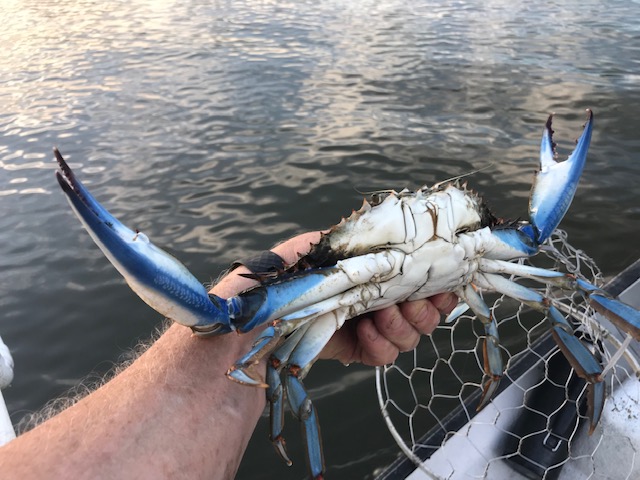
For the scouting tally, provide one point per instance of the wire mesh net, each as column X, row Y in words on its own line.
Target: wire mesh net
column 538, row 427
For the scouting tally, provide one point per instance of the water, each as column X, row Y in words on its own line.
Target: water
column 220, row 128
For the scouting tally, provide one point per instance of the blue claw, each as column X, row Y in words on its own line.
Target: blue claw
column 556, row 182
column 158, row 278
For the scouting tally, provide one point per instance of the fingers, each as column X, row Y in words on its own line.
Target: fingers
column 378, row 338
column 374, row 348
column 444, row 302
column 403, row 324
column 422, row 315
column 359, row 340
column 397, row 328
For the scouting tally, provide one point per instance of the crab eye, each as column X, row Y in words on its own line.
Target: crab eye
column 377, row 198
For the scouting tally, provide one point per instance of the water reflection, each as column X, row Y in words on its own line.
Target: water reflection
column 220, row 128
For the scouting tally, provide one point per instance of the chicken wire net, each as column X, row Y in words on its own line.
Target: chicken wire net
column 429, row 396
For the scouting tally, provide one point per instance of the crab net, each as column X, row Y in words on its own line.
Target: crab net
column 536, row 424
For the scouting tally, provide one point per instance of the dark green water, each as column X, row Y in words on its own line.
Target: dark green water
column 220, row 128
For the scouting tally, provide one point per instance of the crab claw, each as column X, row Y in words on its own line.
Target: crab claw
column 555, row 184
column 158, row 278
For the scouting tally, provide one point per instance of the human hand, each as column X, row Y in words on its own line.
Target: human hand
column 377, row 338
column 373, row 339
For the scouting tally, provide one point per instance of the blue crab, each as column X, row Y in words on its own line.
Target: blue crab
column 399, row 246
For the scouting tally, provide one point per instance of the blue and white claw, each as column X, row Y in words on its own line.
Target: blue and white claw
column 556, row 183
column 158, row 278
column 401, row 246
column 554, row 187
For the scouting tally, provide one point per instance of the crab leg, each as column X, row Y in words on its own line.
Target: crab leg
column 351, row 299
column 242, row 370
column 493, row 365
column 625, row 317
column 579, row 357
column 459, row 310
column 275, row 397
column 303, row 409
column 622, row 315
column 275, row 390
column 300, row 361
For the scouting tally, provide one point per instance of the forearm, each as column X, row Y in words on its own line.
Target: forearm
column 171, row 414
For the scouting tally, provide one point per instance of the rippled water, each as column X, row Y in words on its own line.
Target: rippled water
column 220, row 128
